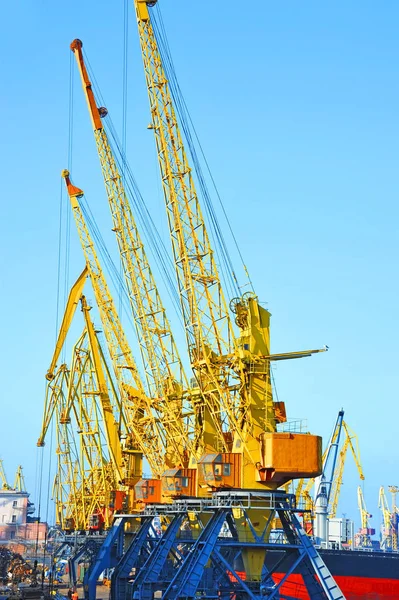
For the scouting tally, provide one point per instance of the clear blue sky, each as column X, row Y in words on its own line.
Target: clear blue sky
column 297, row 105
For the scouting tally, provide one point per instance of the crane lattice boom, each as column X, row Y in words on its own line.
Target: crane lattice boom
column 166, row 379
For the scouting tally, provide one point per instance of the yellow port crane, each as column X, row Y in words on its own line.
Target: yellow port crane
column 3, row 478
column 52, row 399
column 364, row 540
column 393, row 489
column 166, row 379
column 87, row 383
column 112, row 429
column 386, row 529
column 233, row 374
column 19, row 481
column 351, row 443
column 343, row 438
column 146, row 433
column 85, row 479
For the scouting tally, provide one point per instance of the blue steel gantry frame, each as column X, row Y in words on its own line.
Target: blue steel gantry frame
column 198, row 550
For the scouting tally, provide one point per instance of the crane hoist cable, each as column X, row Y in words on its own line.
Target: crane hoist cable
column 150, row 232
column 225, row 260
column 112, row 271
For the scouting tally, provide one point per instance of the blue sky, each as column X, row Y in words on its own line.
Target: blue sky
column 296, row 105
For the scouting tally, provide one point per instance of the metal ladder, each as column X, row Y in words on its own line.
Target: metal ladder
column 330, row 587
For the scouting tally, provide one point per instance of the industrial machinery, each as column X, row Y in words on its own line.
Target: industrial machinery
column 3, row 477
column 362, row 538
column 394, row 516
column 223, row 455
column 319, row 496
column 386, row 528
column 210, row 437
column 232, row 371
column 85, row 477
column 97, row 478
column 350, row 443
column 165, row 376
column 19, row 481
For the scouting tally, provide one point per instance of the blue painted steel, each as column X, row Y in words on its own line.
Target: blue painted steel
column 230, row 569
column 331, row 458
column 89, row 547
column 129, row 560
column 188, row 576
column 327, row 581
column 151, row 569
column 211, row 563
column 107, row 557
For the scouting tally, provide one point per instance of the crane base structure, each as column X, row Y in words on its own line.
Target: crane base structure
column 207, row 548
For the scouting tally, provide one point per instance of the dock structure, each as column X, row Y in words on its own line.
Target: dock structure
column 202, row 548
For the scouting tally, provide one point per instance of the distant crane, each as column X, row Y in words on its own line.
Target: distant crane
column 334, row 457
column 386, row 529
column 19, row 482
column 363, row 537
column 3, row 478
column 351, row 443
column 394, row 516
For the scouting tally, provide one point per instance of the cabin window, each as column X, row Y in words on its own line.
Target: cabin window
column 184, row 482
column 218, row 472
column 227, row 470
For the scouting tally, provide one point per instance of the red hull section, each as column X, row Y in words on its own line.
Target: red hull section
column 353, row 588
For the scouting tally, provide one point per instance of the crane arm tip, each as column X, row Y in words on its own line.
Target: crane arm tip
column 76, row 45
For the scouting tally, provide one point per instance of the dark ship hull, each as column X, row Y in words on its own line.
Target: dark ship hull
column 360, row 574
